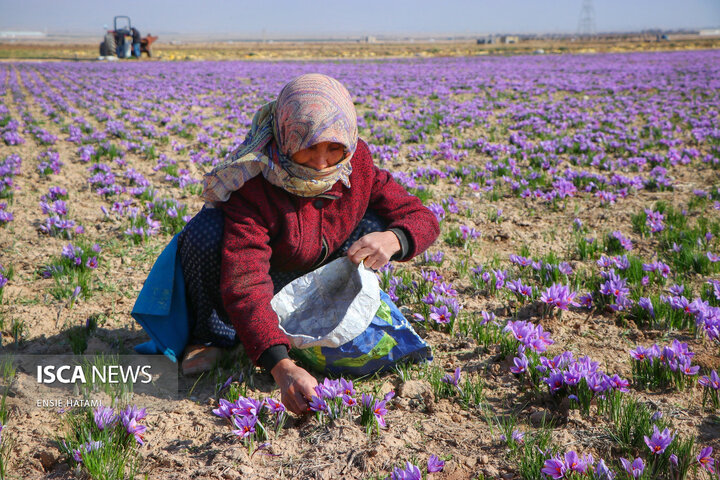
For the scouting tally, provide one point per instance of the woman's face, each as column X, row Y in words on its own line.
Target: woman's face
column 319, row 156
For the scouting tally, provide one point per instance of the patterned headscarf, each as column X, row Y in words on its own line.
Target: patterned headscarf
column 312, row 108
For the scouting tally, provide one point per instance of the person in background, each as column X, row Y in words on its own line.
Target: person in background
column 135, row 42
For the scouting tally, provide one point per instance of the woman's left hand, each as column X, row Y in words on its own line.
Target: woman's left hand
column 375, row 249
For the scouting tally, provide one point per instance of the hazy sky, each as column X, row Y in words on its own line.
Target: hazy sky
column 278, row 18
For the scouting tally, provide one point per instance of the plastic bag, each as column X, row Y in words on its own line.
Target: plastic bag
column 340, row 322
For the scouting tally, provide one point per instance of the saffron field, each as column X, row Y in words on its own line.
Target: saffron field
column 572, row 300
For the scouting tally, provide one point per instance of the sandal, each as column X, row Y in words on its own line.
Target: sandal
column 199, row 358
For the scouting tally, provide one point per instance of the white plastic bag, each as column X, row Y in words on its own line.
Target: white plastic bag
column 328, row 307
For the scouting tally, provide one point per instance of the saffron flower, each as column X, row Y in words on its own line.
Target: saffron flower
column 380, row 411
column 248, row 407
column 104, row 417
column 224, row 409
column 558, row 296
column 135, row 429
column 347, row 387
column 574, row 463
column 317, row 404
column 659, row 441
column 705, row 459
column 410, row 472
column 349, row 401
column 517, row 436
column 554, row 467
column 274, row 406
column 132, row 411
column 713, row 381
column 440, row 315
column 245, row 425
column 635, row 469
column 434, row 464
column 86, row 448
column 602, row 472
column 486, row 317
column 520, row 364
column 453, row 379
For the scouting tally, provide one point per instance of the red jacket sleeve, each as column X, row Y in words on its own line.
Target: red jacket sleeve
column 245, row 282
column 403, row 210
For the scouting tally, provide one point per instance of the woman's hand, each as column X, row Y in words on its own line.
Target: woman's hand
column 297, row 386
column 375, row 248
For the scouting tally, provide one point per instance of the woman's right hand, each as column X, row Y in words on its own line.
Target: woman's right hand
column 297, row 386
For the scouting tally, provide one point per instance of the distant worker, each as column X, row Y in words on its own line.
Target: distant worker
column 135, row 42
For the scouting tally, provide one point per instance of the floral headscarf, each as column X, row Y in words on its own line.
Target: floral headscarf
column 312, row 108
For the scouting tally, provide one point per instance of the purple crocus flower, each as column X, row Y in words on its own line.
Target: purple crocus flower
column 453, row 379
column 487, row 317
column 558, row 295
column 565, row 268
column 618, row 383
column 555, row 381
column 635, row 469
column 410, row 472
column 520, row 365
column 641, row 353
column 434, row 464
column 91, row 263
column 574, row 463
column 248, row 407
column 705, row 459
column 273, row 406
column 554, row 467
column 516, row 435
column 104, row 417
column 328, row 389
column 586, row 300
column 317, row 404
column 440, row 315
column 347, row 387
column 644, row 302
column 685, row 367
column 517, row 287
column 132, row 411
column 713, row 381
column 86, row 448
column 659, row 441
column 134, row 428
column 380, row 411
column 602, row 472
column 348, row 401
column 245, row 425
column 224, row 409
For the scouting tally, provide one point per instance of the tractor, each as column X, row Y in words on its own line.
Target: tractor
column 118, row 42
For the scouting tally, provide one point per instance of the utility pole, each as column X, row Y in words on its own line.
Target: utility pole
column 586, row 23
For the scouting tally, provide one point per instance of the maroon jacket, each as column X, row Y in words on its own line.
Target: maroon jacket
column 265, row 226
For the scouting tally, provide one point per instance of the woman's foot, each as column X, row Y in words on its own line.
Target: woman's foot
column 199, row 358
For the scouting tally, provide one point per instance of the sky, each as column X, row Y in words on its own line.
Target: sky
column 345, row 18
